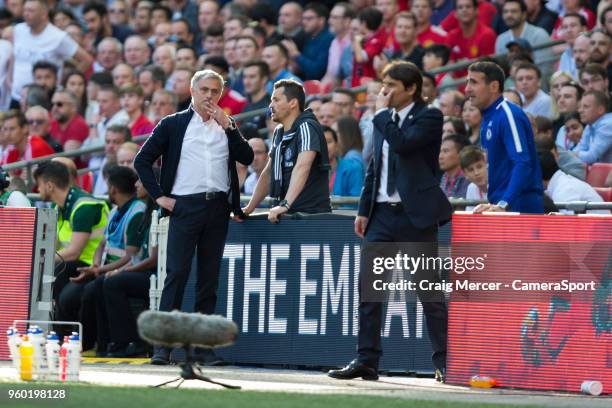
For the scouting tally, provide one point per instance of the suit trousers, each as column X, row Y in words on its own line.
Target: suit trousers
column 391, row 224
column 202, row 224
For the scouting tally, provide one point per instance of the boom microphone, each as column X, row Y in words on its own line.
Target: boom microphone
column 176, row 329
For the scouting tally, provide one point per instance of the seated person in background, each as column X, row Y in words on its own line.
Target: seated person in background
column 350, row 171
column 474, row 166
column 596, row 142
column 80, row 227
column 562, row 187
column 20, row 145
column 126, row 154
column 453, row 183
column 121, row 243
column 9, row 197
column 572, row 132
column 513, row 96
column 567, row 161
column 453, row 125
column 260, row 150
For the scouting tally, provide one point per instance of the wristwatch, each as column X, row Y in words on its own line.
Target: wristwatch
column 284, row 203
column 503, row 205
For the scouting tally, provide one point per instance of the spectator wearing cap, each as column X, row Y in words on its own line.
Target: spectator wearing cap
column 572, row 25
column 256, row 75
column 453, row 182
column 514, row 14
column 427, row 33
column 340, row 25
column 132, row 101
column 38, row 124
column 109, row 55
column 310, row 62
column 596, row 142
column 535, row 100
column 601, row 48
column 277, row 58
column 97, row 21
column 231, row 101
column 68, row 127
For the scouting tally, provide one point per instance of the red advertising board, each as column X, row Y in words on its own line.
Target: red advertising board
column 526, row 336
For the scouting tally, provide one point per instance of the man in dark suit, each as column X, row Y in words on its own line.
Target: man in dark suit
column 401, row 202
column 198, row 188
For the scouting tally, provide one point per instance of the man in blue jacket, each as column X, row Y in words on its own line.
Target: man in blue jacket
column 515, row 181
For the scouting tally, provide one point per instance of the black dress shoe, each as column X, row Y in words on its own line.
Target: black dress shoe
column 161, row 356
column 440, row 375
column 133, row 349
column 207, row 357
column 355, row 369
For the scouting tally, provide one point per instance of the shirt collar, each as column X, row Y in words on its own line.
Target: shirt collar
column 493, row 106
column 403, row 113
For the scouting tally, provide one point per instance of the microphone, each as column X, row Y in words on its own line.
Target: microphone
column 176, row 329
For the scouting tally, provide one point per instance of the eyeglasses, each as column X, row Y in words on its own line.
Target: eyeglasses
column 36, row 122
column 58, row 104
column 117, row 11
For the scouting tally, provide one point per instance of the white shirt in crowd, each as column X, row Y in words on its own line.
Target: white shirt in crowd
column 203, row 166
column 250, row 182
column 562, row 188
column 6, row 49
column 474, row 193
column 52, row 44
column 541, row 105
column 18, row 199
column 382, row 196
column 119, row 118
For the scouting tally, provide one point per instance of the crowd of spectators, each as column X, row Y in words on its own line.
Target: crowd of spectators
column 77, row 74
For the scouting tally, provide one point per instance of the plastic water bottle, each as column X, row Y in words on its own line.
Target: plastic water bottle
column 74, row 357
column 483, row 381
column 37, row 337
column 591, row 387
column 63, row 360
column 14, row 340
column 52, row 348
column 26, row 354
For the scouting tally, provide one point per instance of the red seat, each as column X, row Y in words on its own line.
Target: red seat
column 312, row 87
column 85, row 181
column 605, row 193
column 598, row 173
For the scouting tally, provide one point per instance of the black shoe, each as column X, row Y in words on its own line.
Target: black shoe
column 161, row 356
column 440, row 375
column 207, row 357
column 355, row 369
column 133, row 349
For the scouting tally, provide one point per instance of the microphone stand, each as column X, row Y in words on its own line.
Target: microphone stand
column 191, row 371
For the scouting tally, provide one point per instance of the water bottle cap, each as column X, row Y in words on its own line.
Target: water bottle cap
column 11, row 331
column 52, row 336
column 37, row 330
column 74, row 337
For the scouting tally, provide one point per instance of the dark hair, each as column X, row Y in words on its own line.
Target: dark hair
column 372, row 17
column 281, row 47
column 327, row 129
column 440, row 51
column 165, row 9
column 131, row 89
column 262, row 11
column 65, row 11
column 530, row 66
column 43, row 64
column 593, row 68
column 543, row 124
column 110, row 88
column 320, row 9
column 97, row 7
column 15, row 114
column 5, row 14
column 344, row 91
column 577, row 87
column 55, row 172
column 470, row 155
column 602, row 17
column 181, row 45
column 572, row 116
column 37, row 96
column 457, row 123
column 459, row 140
column 184, row 21
column 81, row 102
column 214, row 30
column 548, row 164
column 123, row 178
column 408, row 15
column 349, row 134
column 580, row 17
column 406, row 72
column 157, row 73
column 491, row 71
column 101, row 78
column 517, row 93
column 264, row 70
column 217, row 61
column 474, row 3
column 601, row 99
column 292, row 90
column 122, row 129
column 545, row 143
column 520, row 2
column 244, row 20
column 248, row 37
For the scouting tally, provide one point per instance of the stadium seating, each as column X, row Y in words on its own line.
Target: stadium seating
column 605, row 193
column 598, row 173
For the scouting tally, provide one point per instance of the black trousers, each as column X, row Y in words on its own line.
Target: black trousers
column 202, row 224
column 391, row 224
column 67, row 295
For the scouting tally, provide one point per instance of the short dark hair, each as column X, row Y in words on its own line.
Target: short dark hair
column 55, row 172
column 406, row 72
column 440, row 51
column 131, row 89
column 474, row 3
column 577, row 87
column 110, row 88
column 457, row 123
column 217, row 61
column 157, row 73
column 344, row 91
column 545, row 143
column 530, row 66
column 320, row 9
column 470, row 155
column 99, row 8
column 327, row 129
column 101, row 78
column 262, row 11
column 460, row 141
column 292, row 90
column 602, row 17
column 372, row 17
column 580, row 17
column 592, row 68
column 408, row 15
column 521, row 3
column 121, row 129
column 123, row 178
column 572, row 116
column 264, row 69
column 281, row 47
column 184, row 21
column 601, row 98
column 543, row 123
column 491, row 71
column 167, row 11
column 349, row 134
column 43, row 64
column 548, row 164
column 214, row 30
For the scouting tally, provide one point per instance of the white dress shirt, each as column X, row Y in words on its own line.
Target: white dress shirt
column 203, row 166
column 382, row 196
column 562, row 188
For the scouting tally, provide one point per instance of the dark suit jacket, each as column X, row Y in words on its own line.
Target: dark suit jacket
column 166, row 141
column 417, row 146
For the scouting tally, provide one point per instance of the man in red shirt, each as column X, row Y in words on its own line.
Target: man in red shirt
column 369, row 44
column 471, row 39
column 21, row 147
column 486, row 14
column 132, row 99
column 389, row 10
column 68, row 127
column 427, row 34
